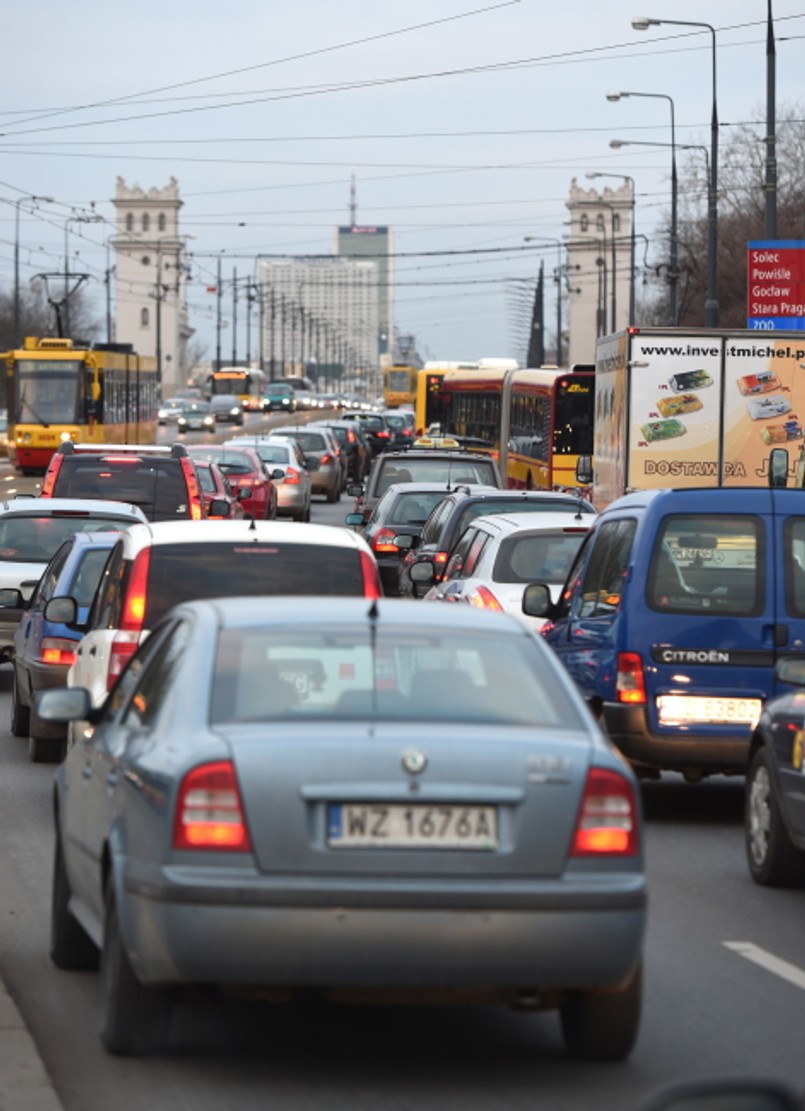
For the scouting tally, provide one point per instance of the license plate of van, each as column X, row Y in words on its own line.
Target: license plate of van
column 687, row 709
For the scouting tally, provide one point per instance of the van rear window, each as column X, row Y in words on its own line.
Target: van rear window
column 186, row 572
column 712, row 565
column 157, row 486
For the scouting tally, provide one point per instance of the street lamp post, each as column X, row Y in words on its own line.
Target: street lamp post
column 673, row 261
column 20, row 200
column 625, row 177
column 711, row 303
column 77, row 218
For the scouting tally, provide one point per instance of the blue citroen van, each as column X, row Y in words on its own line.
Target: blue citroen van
column 675, row 611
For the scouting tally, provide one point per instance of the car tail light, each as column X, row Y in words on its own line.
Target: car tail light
column 326, row 459
column 607, row 821
column 122, row 648
column 439, row 565
column 193, row 490
column 136, row 593
column 350, row 436
column 292, row 477
column 209, row 810
column 382, row 540
column 371, row 577
column 136, row 459
column 57, row 650
column 52, row 474
column 630, row 683
column 483, row 598
column 382, row 435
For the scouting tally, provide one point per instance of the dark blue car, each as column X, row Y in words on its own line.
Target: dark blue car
column 44, row 650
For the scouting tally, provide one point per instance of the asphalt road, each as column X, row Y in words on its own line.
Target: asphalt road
column 724, row 996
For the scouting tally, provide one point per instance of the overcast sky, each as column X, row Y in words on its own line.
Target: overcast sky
column 463, row 121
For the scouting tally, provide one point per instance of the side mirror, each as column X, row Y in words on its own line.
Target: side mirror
column 277, row 474
column 584, row 470
column 778, row 467
column 404, row 543
column 355, row 520
column 537, row 600
column 423, row 572
column 355, row 489
column 791, row 669
column 218, row 507
column 63, row 704
column 62, row 610
column 244, row 493
column 12, row 599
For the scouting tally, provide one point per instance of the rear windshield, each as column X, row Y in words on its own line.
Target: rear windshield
column 710, row 565
column 230, row 462
column 509, row 505
column 308, row 441
column 185, row 572
column 399, row 674
column 36, row 539
column 272, row 453
column 414, row 509
column 541, row 557
column 157, row 486
column 470, row 470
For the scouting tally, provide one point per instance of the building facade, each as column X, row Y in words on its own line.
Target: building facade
column 150, row 279
column 373, row 244
column 600, row 266
column 319, row 317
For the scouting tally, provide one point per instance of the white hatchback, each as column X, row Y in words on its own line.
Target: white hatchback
column 498, row 556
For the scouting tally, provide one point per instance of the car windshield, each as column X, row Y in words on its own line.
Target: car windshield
column 466, row 470
column 396, row 674
column 35, row 539
column 184, row 572
column 230, row 462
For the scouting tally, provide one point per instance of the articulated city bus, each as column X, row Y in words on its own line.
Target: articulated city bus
column 399, row 386
column 246, row 383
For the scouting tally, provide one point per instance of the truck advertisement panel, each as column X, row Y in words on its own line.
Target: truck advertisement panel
column 674, row 411
column 764, row 404
column 611, row 383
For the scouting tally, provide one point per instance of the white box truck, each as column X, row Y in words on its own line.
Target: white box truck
column 682, row 408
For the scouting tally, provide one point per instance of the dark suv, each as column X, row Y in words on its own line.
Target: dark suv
column 454, row 468
column 162, row 481
column 450, row 518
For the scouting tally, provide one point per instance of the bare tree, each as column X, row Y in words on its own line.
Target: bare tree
column 38, row 317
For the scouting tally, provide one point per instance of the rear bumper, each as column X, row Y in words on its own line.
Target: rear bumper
column 290, row 499
column 628, row 728
column 570, row 934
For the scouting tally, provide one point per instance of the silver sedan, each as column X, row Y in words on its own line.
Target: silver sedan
column 371, row 799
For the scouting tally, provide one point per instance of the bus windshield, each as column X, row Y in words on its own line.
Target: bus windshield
column 573, row 418
column 47, row 391
column 230, row 383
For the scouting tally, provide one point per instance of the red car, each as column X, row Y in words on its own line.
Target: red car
column 247, row 476
column 215, row 486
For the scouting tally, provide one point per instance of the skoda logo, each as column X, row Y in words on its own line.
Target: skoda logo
column 414, row 760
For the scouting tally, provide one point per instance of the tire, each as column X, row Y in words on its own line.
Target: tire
column 333, row 496
column 45, row 750
column 136, row 1018
column 20, row 715
column 600, row 1025
column 306, row 515
column 70, row 947
column 773, row 860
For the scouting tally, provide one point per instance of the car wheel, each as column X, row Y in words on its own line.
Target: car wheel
column 20, row 715
column 306, row 517
column 333, row 496
column 136, row 1018
column 773, row 860
column 602, row 1025
column 70, row 947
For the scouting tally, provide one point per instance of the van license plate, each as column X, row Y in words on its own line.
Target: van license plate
column 411, row 826
column 685, row 709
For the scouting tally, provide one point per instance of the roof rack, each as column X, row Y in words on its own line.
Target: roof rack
column 67, row 447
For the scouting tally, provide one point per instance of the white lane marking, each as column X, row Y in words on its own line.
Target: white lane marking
column 775, row 965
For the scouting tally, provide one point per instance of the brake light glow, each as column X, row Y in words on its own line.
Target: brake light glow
column 51, row 476
column 193, row 489
column 209, row 811
column 325, row 459
column 371, row 577
column 136, row 593
column 291, row 477
column 135, row 459
column 382, row 541
column 57, row 650
column 382, row 434
column 607, row 821
column 630, row 683
column 122, row 648
column 483, row 598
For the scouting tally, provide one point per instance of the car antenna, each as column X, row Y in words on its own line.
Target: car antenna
column 373, row 615
column 252, row 525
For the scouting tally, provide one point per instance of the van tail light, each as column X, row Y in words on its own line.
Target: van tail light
column 52, row 474
column 371, row 577
column 122, row 648
column 630, row 683
column 209, row 811
column 291, row 477
column 136, row 593
column 57, row 650
column 607, row 824
column 483, row 598
column 383, row 540
column 193, row 489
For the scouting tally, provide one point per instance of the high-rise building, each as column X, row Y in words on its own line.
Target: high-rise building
column 319, row 318
column 150, row 279
column 373, row 244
